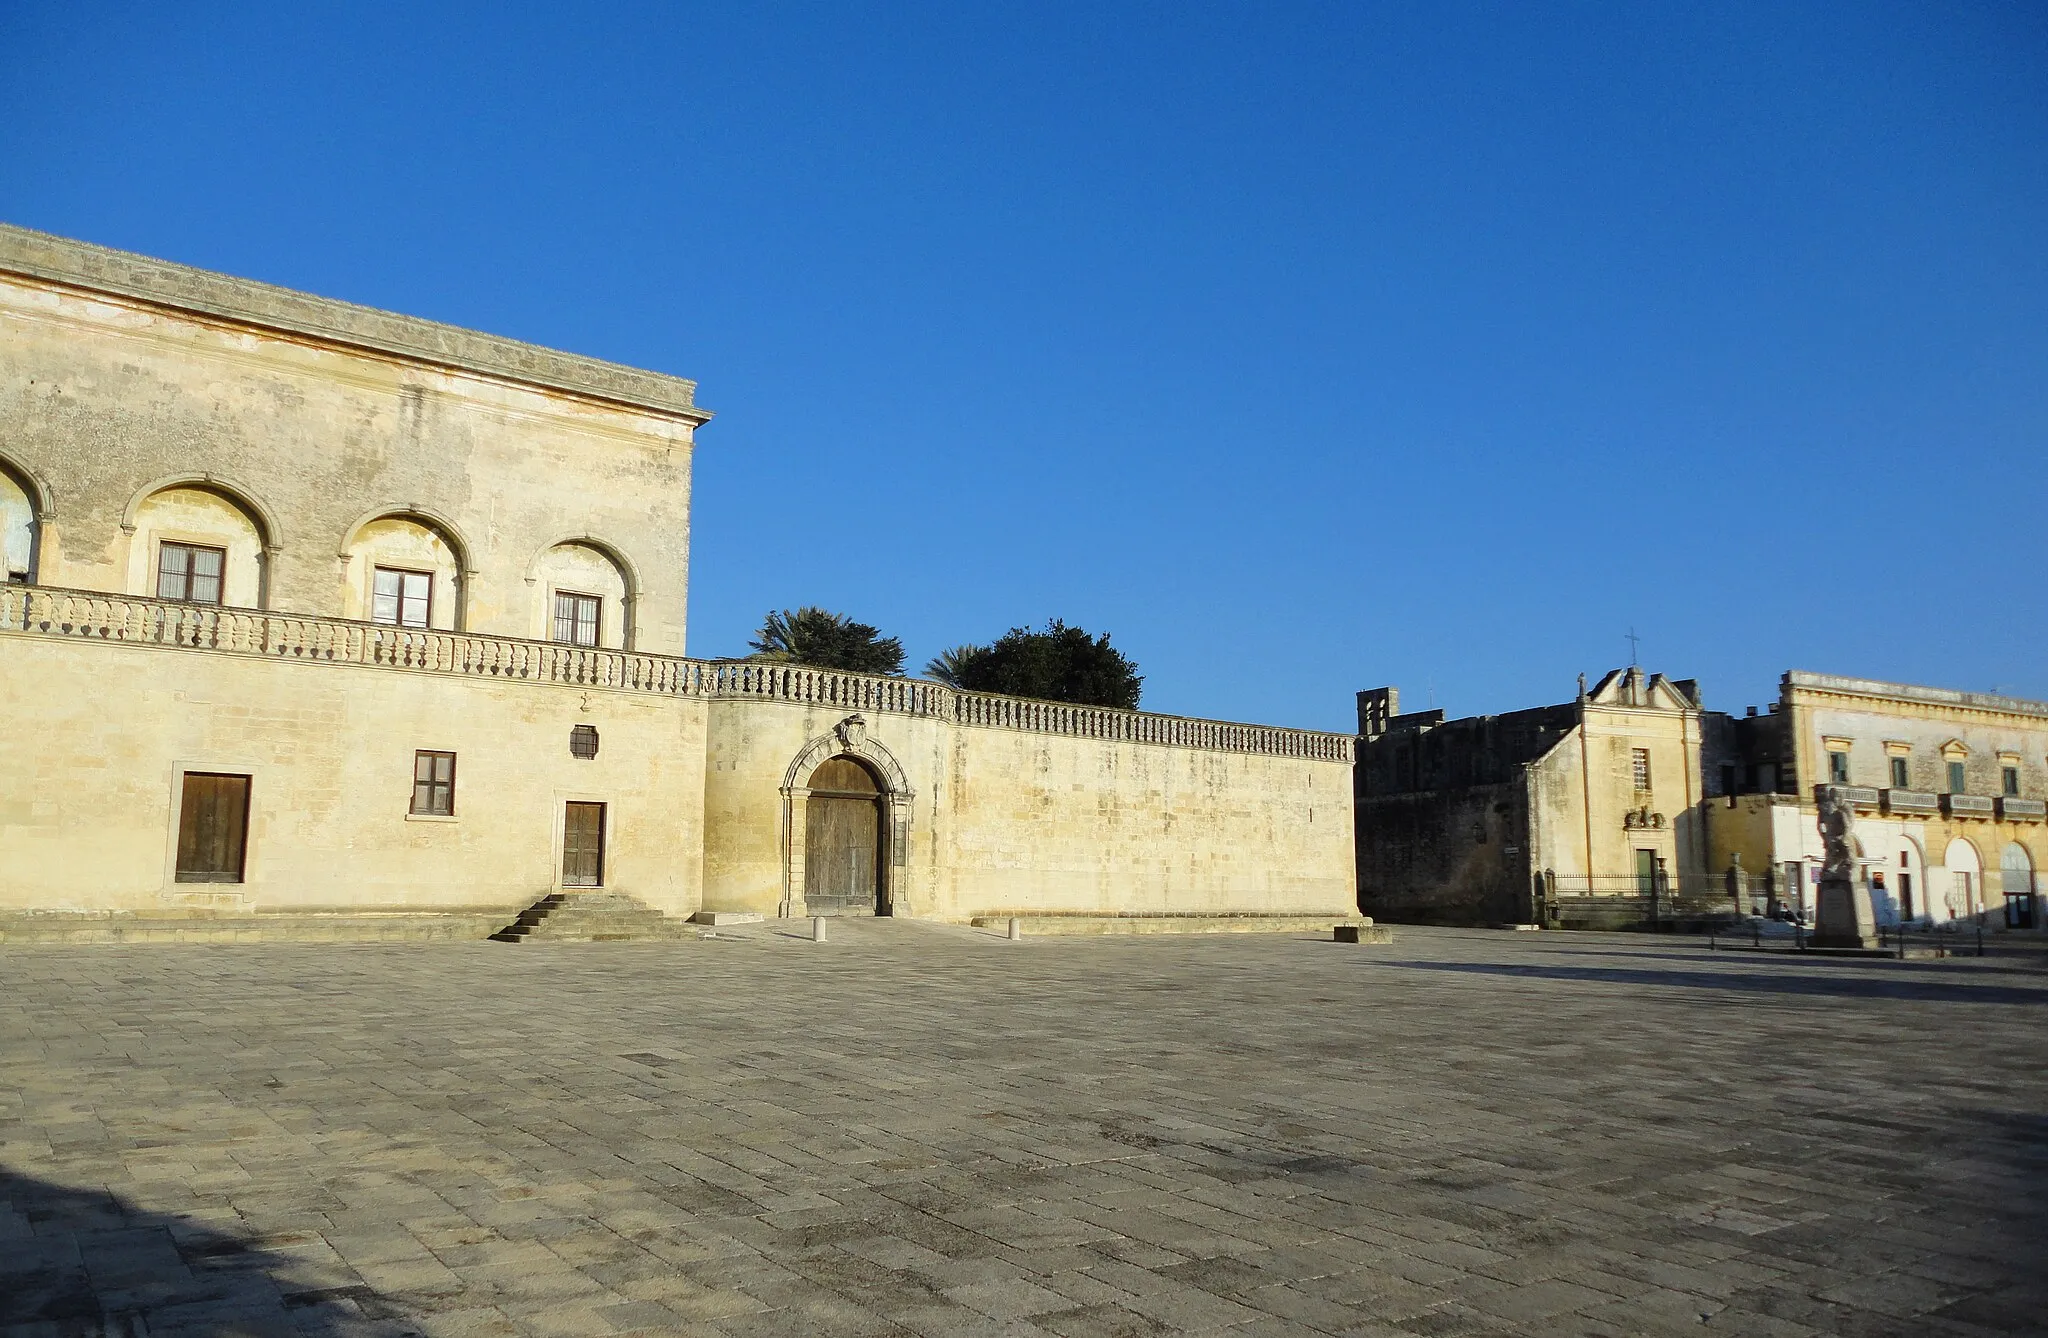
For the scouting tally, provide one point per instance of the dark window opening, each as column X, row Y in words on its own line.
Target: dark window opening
column 213, row 828
column 433, row 783
column 402, row 598
column 583, row 741
column 1728, row 778
column 2011, row 777
column 1838, row 768
column 190, row 573
column 1900, row 780
column 577, row 618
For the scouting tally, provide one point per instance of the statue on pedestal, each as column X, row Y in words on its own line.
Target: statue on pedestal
column 1843, row 917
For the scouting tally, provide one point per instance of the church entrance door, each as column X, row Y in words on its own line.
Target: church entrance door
column 843, row 841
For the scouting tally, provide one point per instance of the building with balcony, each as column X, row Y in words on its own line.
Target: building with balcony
column 316, row 611
column 1582, row 814
column 1948, row 786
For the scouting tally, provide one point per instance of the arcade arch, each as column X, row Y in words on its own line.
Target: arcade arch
column 1965, row 892
column 22, row 507
column 2016, row 884
column 200, row 541
column 405, row 567
column 584, row 594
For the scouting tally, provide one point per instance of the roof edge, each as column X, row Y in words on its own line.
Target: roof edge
column 1871, row 687
column 45, row 256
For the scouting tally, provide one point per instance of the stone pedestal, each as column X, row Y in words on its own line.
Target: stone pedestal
column 1843, row 917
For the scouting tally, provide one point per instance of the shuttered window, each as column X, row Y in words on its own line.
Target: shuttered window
column 213, row 828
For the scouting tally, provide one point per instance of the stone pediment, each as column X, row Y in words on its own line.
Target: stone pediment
column 1633, row 689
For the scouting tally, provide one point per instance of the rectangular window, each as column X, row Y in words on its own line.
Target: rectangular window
column 402, row 598
column 583, row 845
column 1838, row 768
column 433, row 783
column 1900, row 781
column 2011, row 778
column 189, row 572
column 1640, row 761
column 213, row 828
column 1956, row 779
column 1728, row 778
column 576, row 618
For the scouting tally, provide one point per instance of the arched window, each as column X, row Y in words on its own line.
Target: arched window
column 584, row 596
column 18, row 528
column 404, row 570
column 198, row 544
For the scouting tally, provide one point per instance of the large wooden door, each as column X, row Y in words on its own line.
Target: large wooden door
column 583, row 845
column 842, row 841
column 213, row 828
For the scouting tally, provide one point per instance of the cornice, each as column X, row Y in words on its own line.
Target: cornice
column 1909, row 694
column 98, row 269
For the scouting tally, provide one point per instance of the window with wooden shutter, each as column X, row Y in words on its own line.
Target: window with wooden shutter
column 213, row 828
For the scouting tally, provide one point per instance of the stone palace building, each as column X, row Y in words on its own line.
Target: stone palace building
column 320, row 619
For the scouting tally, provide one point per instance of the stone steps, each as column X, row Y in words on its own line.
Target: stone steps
column 592, row 917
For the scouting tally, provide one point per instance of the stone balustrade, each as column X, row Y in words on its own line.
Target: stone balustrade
column 86, row 615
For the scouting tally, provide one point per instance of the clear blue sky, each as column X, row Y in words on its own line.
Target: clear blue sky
column 1302, row 348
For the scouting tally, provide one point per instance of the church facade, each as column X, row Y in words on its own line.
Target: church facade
column 323, row 612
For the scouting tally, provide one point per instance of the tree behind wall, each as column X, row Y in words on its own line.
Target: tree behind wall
column 814, row 636
column 1056, row 663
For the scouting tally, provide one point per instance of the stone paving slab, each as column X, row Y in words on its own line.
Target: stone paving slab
column 916, row 1129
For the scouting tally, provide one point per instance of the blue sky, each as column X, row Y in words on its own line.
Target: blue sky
column 1302, row 348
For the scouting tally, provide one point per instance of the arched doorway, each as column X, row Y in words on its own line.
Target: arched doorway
column 2016, row 880
column 845, row 872
column 1965, row 880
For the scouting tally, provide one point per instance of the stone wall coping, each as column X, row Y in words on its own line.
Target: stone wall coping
column 87, row 615
column 43, row 256
column 1910, row 692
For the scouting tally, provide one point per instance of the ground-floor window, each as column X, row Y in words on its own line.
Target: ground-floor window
column 583, row 845
column 433, row 784
column 213, row 827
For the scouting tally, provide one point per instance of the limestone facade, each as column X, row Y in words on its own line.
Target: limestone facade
column 1949, row 788
column 415, row 599
column 1582, row 813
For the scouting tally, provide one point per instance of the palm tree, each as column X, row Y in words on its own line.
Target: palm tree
column 815, row 636
column 951, row 666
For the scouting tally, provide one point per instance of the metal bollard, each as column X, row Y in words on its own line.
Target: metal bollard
column 1016, row 929
column 817, row 929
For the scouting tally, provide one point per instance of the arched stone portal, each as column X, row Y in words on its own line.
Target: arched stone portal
column 846, row 827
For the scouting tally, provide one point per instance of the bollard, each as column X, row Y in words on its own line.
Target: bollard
column 817, row 929
column 1016, row 929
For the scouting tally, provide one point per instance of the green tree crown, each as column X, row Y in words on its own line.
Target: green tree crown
column 1054, row 663
column 814, row 636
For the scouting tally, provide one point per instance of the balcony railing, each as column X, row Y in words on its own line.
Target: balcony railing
column 1968, row 805
column 1911, row 801
column 2014, row 809
column 45, row 611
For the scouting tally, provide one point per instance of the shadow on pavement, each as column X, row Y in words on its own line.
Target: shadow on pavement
column 1839, row 985
column 87, row 1262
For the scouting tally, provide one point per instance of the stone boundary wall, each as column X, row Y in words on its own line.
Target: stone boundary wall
column 45, row 611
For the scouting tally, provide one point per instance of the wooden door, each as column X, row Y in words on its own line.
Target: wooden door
column 583, row 845
column 213, row 828
column 842, row 841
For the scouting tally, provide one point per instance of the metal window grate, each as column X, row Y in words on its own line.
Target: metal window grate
column 583, row 741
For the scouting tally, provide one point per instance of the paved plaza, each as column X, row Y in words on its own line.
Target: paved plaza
column 924, row 1130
